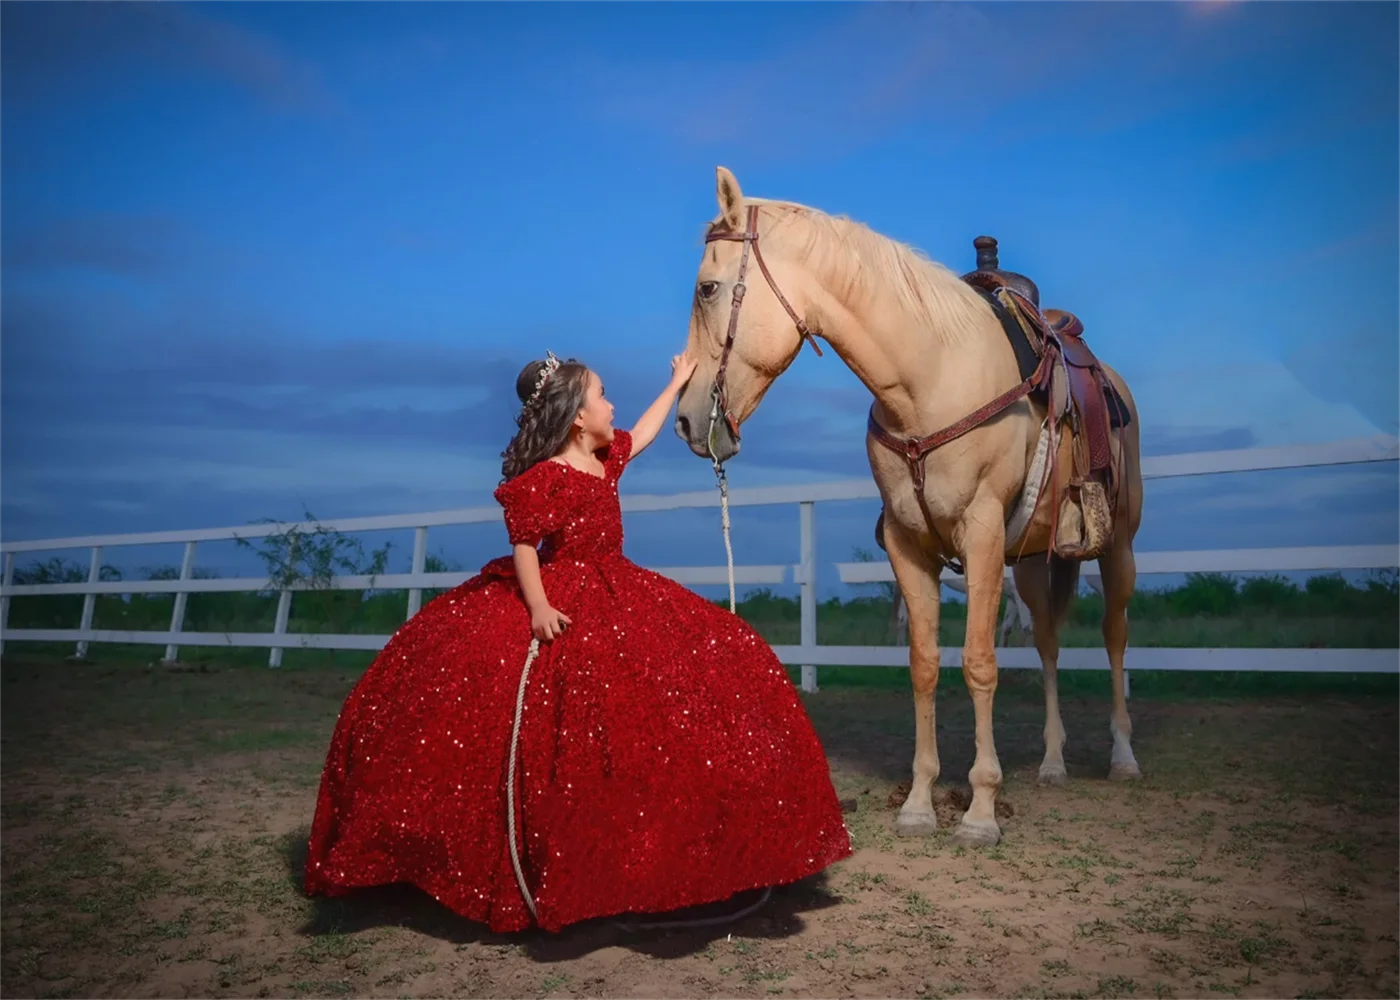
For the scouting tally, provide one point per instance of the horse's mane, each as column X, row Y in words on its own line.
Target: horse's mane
column 867, row 263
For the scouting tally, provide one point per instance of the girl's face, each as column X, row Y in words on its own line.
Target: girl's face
column 595, row 420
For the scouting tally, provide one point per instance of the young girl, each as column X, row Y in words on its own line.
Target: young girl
column 662, row 756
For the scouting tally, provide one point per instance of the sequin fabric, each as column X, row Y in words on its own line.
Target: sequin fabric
column 666, row 759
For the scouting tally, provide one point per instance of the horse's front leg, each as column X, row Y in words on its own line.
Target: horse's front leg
column 917, row 576
column 983, row 547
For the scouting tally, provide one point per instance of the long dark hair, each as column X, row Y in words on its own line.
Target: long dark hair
column 544, row 420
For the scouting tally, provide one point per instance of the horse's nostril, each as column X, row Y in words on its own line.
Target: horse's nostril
column 683, row 427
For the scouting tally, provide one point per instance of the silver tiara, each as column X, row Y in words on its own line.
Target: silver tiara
column 551, row 364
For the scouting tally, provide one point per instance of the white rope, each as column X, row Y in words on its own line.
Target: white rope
column 723, row 481
column 510, row 779
column 724, row 526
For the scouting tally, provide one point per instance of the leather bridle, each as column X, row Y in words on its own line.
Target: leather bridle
column 719, row 395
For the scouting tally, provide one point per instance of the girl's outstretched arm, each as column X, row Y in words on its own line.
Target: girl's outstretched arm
column 644, row 433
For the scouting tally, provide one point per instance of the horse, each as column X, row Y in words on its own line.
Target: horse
column 935, row 351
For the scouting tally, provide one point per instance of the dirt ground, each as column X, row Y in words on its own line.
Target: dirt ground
column 154, row 825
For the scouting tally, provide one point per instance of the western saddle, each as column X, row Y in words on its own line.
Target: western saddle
column 1059, row 371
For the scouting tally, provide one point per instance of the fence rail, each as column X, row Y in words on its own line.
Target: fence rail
column 808, row 654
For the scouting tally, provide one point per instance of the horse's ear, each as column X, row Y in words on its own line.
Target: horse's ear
column 731, row 199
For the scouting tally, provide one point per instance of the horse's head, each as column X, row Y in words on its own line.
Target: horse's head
column 746, row 322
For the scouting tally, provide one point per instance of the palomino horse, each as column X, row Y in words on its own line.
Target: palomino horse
column 935, row 354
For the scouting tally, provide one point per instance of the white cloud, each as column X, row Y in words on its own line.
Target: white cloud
column 1264, row 396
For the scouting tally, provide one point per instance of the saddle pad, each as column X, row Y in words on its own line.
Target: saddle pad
column 1118, row 413
column 1024, row 510
column 1028, row 358
column 1027, row 354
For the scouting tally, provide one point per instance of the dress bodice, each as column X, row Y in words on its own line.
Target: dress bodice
column 575, row 514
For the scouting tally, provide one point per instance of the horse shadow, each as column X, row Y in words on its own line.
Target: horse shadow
column 406, row 906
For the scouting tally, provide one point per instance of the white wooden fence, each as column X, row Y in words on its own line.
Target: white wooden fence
column 808, row 653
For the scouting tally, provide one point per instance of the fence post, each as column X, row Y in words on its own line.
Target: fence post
column 284, row 610
column 177, row 616
column 5, row 601
column 420, row 559
column 89, row 600
column 808, row 635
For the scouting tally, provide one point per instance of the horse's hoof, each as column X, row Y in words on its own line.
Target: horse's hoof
column 916, row 824
column 1055, row 776
column 977, row 833
column 1125, row 772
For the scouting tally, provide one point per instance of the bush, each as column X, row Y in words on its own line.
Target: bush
column 1212, row 594
column 1272, row 594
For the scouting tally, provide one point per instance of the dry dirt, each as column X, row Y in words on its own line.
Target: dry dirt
column 154, row 827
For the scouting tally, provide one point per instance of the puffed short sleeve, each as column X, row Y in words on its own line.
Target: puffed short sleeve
column 533, row 503
column 619, row 452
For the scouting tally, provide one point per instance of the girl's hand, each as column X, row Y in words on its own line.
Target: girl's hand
column 682, row 367
column 547, row 624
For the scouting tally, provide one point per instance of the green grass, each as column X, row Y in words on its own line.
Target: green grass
column 1208, row 610
column 1168, row 684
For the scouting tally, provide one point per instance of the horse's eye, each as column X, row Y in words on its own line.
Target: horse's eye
column 708, row 289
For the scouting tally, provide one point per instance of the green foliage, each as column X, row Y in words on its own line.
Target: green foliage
column 62, row 611
column 58, row 570
column 311, row 559
column 1206, row 594
column 173, row 573
column 435, row 562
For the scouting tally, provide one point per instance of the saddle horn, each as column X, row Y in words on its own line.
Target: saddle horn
column 986, row 247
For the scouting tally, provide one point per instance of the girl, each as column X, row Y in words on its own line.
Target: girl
column 662, row 756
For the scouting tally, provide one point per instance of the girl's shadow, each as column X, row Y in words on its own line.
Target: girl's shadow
column 407, row 906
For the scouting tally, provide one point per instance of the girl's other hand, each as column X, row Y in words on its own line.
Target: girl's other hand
column 548, row 624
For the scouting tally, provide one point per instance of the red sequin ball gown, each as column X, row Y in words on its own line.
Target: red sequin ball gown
column 665, row 758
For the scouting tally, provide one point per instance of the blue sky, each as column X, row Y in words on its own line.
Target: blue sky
column 257, row 256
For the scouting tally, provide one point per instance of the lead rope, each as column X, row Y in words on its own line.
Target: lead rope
column 510, row 778
column 723, row 481
column 724, row 526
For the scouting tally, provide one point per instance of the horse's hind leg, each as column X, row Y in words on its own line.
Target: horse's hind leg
column 1119, row 570
column 1033, row 584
